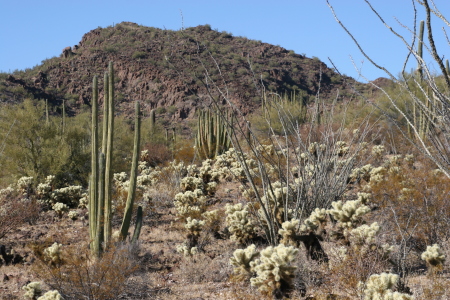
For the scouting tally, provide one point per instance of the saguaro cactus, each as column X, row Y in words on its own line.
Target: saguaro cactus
column 212, row 136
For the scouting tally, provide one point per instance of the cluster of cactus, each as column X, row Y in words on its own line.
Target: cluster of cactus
column 212, row 135
column 381, row 287
column 100, row 204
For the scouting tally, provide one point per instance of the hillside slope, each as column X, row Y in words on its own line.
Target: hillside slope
column 165, row 68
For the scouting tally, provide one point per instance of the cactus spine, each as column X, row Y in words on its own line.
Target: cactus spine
column 212, row 136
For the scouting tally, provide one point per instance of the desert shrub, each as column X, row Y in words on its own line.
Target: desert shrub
column 15, row 210
column 81, row 276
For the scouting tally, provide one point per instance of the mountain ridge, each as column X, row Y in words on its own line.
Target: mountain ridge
column 179, row 70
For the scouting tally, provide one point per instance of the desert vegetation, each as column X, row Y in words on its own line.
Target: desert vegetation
column 305, row 198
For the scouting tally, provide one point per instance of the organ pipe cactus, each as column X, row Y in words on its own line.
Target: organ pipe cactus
column 133, row 176
column 212, row 136
column 101, row 177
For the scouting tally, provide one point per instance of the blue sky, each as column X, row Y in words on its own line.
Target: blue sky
column 35, row 30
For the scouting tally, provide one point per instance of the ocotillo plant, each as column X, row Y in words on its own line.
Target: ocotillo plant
column 100, row 183
column 212, row 137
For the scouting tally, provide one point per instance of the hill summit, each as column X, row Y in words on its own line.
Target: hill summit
column 177, row 70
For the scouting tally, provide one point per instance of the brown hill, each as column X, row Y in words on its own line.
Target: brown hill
column 174, row 70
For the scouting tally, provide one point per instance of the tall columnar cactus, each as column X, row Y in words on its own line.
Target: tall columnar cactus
column 93, row 202
column 152, row 121
column 108, row 155
column 424, row 112
column 133, row 176
column 212, row 135
column 100, row 183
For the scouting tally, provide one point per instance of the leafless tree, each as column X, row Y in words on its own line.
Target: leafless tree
column 428, row 93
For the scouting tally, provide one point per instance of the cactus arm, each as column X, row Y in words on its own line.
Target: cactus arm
column 133, row 177
column 93, row 201
column 108, row 158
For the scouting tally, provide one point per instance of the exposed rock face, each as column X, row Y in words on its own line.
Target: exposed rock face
column 180, row 70
column 67, row 52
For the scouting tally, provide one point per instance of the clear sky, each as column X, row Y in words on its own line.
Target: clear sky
column 33, row 30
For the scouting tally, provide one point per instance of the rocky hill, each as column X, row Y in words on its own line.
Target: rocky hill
column 177, row 71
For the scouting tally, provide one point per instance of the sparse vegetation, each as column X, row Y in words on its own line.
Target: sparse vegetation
column 297, row 196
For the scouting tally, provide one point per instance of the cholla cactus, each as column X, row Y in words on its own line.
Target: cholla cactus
column 24, row 185
column 377, row 174
column 6, row 192
column 364, row 197
column 433, row 256
column 191, row 184
column 378, row 151
column 212, row 220
column 241, row 261
column 60, row 208
column 239, row 223
column 362, row 236
column 43, row 190
column 379, row 287
column 51, row 295
column 317, row 218
column 362, row 173
column 73, row 215
column 32, row 290
column 187, row 251
column 349, row 213
column 190, row 204
column 53, row 254
column 273, row 269
column 342, row 148
column 68, row 195
column 288, row 232
column 194, row 226
column 84, row 200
